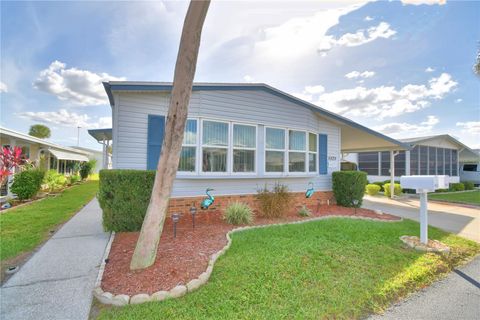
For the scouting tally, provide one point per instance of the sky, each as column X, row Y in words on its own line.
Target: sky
column 404, row 68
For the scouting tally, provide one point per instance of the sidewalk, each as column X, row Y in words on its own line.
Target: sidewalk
column 57, row 282
column 455, row 297
column 457, row 219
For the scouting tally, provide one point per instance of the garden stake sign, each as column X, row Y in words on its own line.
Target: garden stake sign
column 146, row 249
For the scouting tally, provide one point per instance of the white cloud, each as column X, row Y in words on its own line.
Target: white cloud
column 368, row 18
column 3, row 87
column 309, row 92
column 248, row 78
column 384, row 101
column 65, row 118
column 427, row 2
column 403, row 128
column 429, row 69
column 80, row 87
column 472, row 127
column 458, row 100
column 357, row 74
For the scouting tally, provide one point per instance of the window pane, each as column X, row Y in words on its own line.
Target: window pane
column 431, row 160
column 275, row 138
column 214, row 160
column 414, row 161
column 215, row 133
column 439, row 161
column 187, row 159
column 454, row 163
column 244, row 136
column 400, row 164
column 296, row 140
column 448, row 161
column 243, row 160
column 385, row 163
column 296, row 162
column 423, row 160
column 274, row 161
column 312, row 142
column 470, row 167
column 368, row 162
column 312, row 162
column 190, row 135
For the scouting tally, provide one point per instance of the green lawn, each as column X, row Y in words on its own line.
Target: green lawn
column 470, row 197
column 328, row 269
column 24, row 228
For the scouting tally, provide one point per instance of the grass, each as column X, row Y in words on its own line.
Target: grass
column 327, row 269
column 24, row 228
column 469, row 197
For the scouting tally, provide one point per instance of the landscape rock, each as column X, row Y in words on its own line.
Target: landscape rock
column 120, row 300
column 105, row 298
column 194, row 285
column 178, row 291
column 160, row 296
column 140, row 298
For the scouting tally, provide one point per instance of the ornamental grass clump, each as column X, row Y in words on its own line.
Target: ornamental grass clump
column 238, row 213
column 274, row 203
column 304, row 212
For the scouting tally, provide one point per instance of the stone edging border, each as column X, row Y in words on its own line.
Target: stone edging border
column 192, row 285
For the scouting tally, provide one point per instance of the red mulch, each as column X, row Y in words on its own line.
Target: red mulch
column 185, row 257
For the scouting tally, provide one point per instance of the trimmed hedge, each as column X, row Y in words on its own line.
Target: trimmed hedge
column 349, row 186
column 124, row 196
column 469, row 185
column 27, row 183
column 397, row 190
column 372, row 189
column 457, row 186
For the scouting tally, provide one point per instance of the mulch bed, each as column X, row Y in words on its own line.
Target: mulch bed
column 185, row 257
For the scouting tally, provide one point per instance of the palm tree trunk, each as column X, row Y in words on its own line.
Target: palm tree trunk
column 147, row 244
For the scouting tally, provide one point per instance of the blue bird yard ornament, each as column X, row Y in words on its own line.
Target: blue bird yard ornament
column 310, row 191
column 207, row 202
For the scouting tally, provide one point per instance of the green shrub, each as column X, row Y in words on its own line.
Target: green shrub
column 274, row 203
column 349, row 186
column 27, row 183
column 469, row 185
column 238, row 213
column 441, row 190
column 54, row 180
column 397, row 190
column 86, row 168
column 380, row 184
column 74, row 179
column 457, row 186
column 372, row 189
column 304, row 212
column 124, row 196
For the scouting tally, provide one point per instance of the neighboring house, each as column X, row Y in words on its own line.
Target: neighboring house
column 104, row 137
column 43, row 153
column 93, row 155
column 432, row 155
column 238, row 138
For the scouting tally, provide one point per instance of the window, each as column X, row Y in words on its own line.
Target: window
column 368, row 162
column 214, row 146
column 454, row 163
column 400, row 164
column 414, row 161
column 189, row 147
column 297, row 147
column 274, row 150
column 244, row 145
column 423, row 160
column 448, row 161
column 385, row 163
column 312, row 152
column 431, row 160
column 470, row 167
column 440, row 162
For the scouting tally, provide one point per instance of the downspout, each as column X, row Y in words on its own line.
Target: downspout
column 393, row 154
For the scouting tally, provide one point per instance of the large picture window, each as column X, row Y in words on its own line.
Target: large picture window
column 244, row 147
column 432, row 155
column 189, row 148
column 215, row 146
column 454, row 163
column 274, row 150
column 414, row 161
column 423, row 160
column 448, row 161
column 400, row 160
column 296, row 147
column 368, row 162
column 385, row 163
column 440, row 162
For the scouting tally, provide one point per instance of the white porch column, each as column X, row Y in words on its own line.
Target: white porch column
column 407, row 162
column 423, row 217
column 392, row 173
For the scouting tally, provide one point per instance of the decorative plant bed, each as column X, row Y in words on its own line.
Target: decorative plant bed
column 432, row 245
column 185, row 262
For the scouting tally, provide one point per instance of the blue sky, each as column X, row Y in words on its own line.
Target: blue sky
column 402, row 68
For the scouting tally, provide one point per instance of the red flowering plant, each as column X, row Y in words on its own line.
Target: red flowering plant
column 9, row 160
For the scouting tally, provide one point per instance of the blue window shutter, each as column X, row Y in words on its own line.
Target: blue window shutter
column 322, row 153
column 156, row 132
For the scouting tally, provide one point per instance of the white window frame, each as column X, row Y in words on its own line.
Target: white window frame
column 312, row 152
column 305, row 153
column 284, row 150
column 227, row 147
column 232, row 147
column 196, row 145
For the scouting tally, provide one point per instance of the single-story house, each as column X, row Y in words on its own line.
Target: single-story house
column 238, row 138
column 432, row 155
column 94, row 155
column 44, row 154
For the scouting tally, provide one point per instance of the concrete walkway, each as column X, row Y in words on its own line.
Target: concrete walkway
column 455, row 297
column 57, row 281
column 460, row 220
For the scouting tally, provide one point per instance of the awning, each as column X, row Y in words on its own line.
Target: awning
column 101, row 134
column 65, row 155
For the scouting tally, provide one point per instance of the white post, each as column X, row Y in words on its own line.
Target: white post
column 392, row 174
column 423, row 217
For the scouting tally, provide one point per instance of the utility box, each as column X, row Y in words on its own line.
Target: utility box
column 424, row 183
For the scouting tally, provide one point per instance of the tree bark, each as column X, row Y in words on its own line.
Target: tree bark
column 147, row 244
